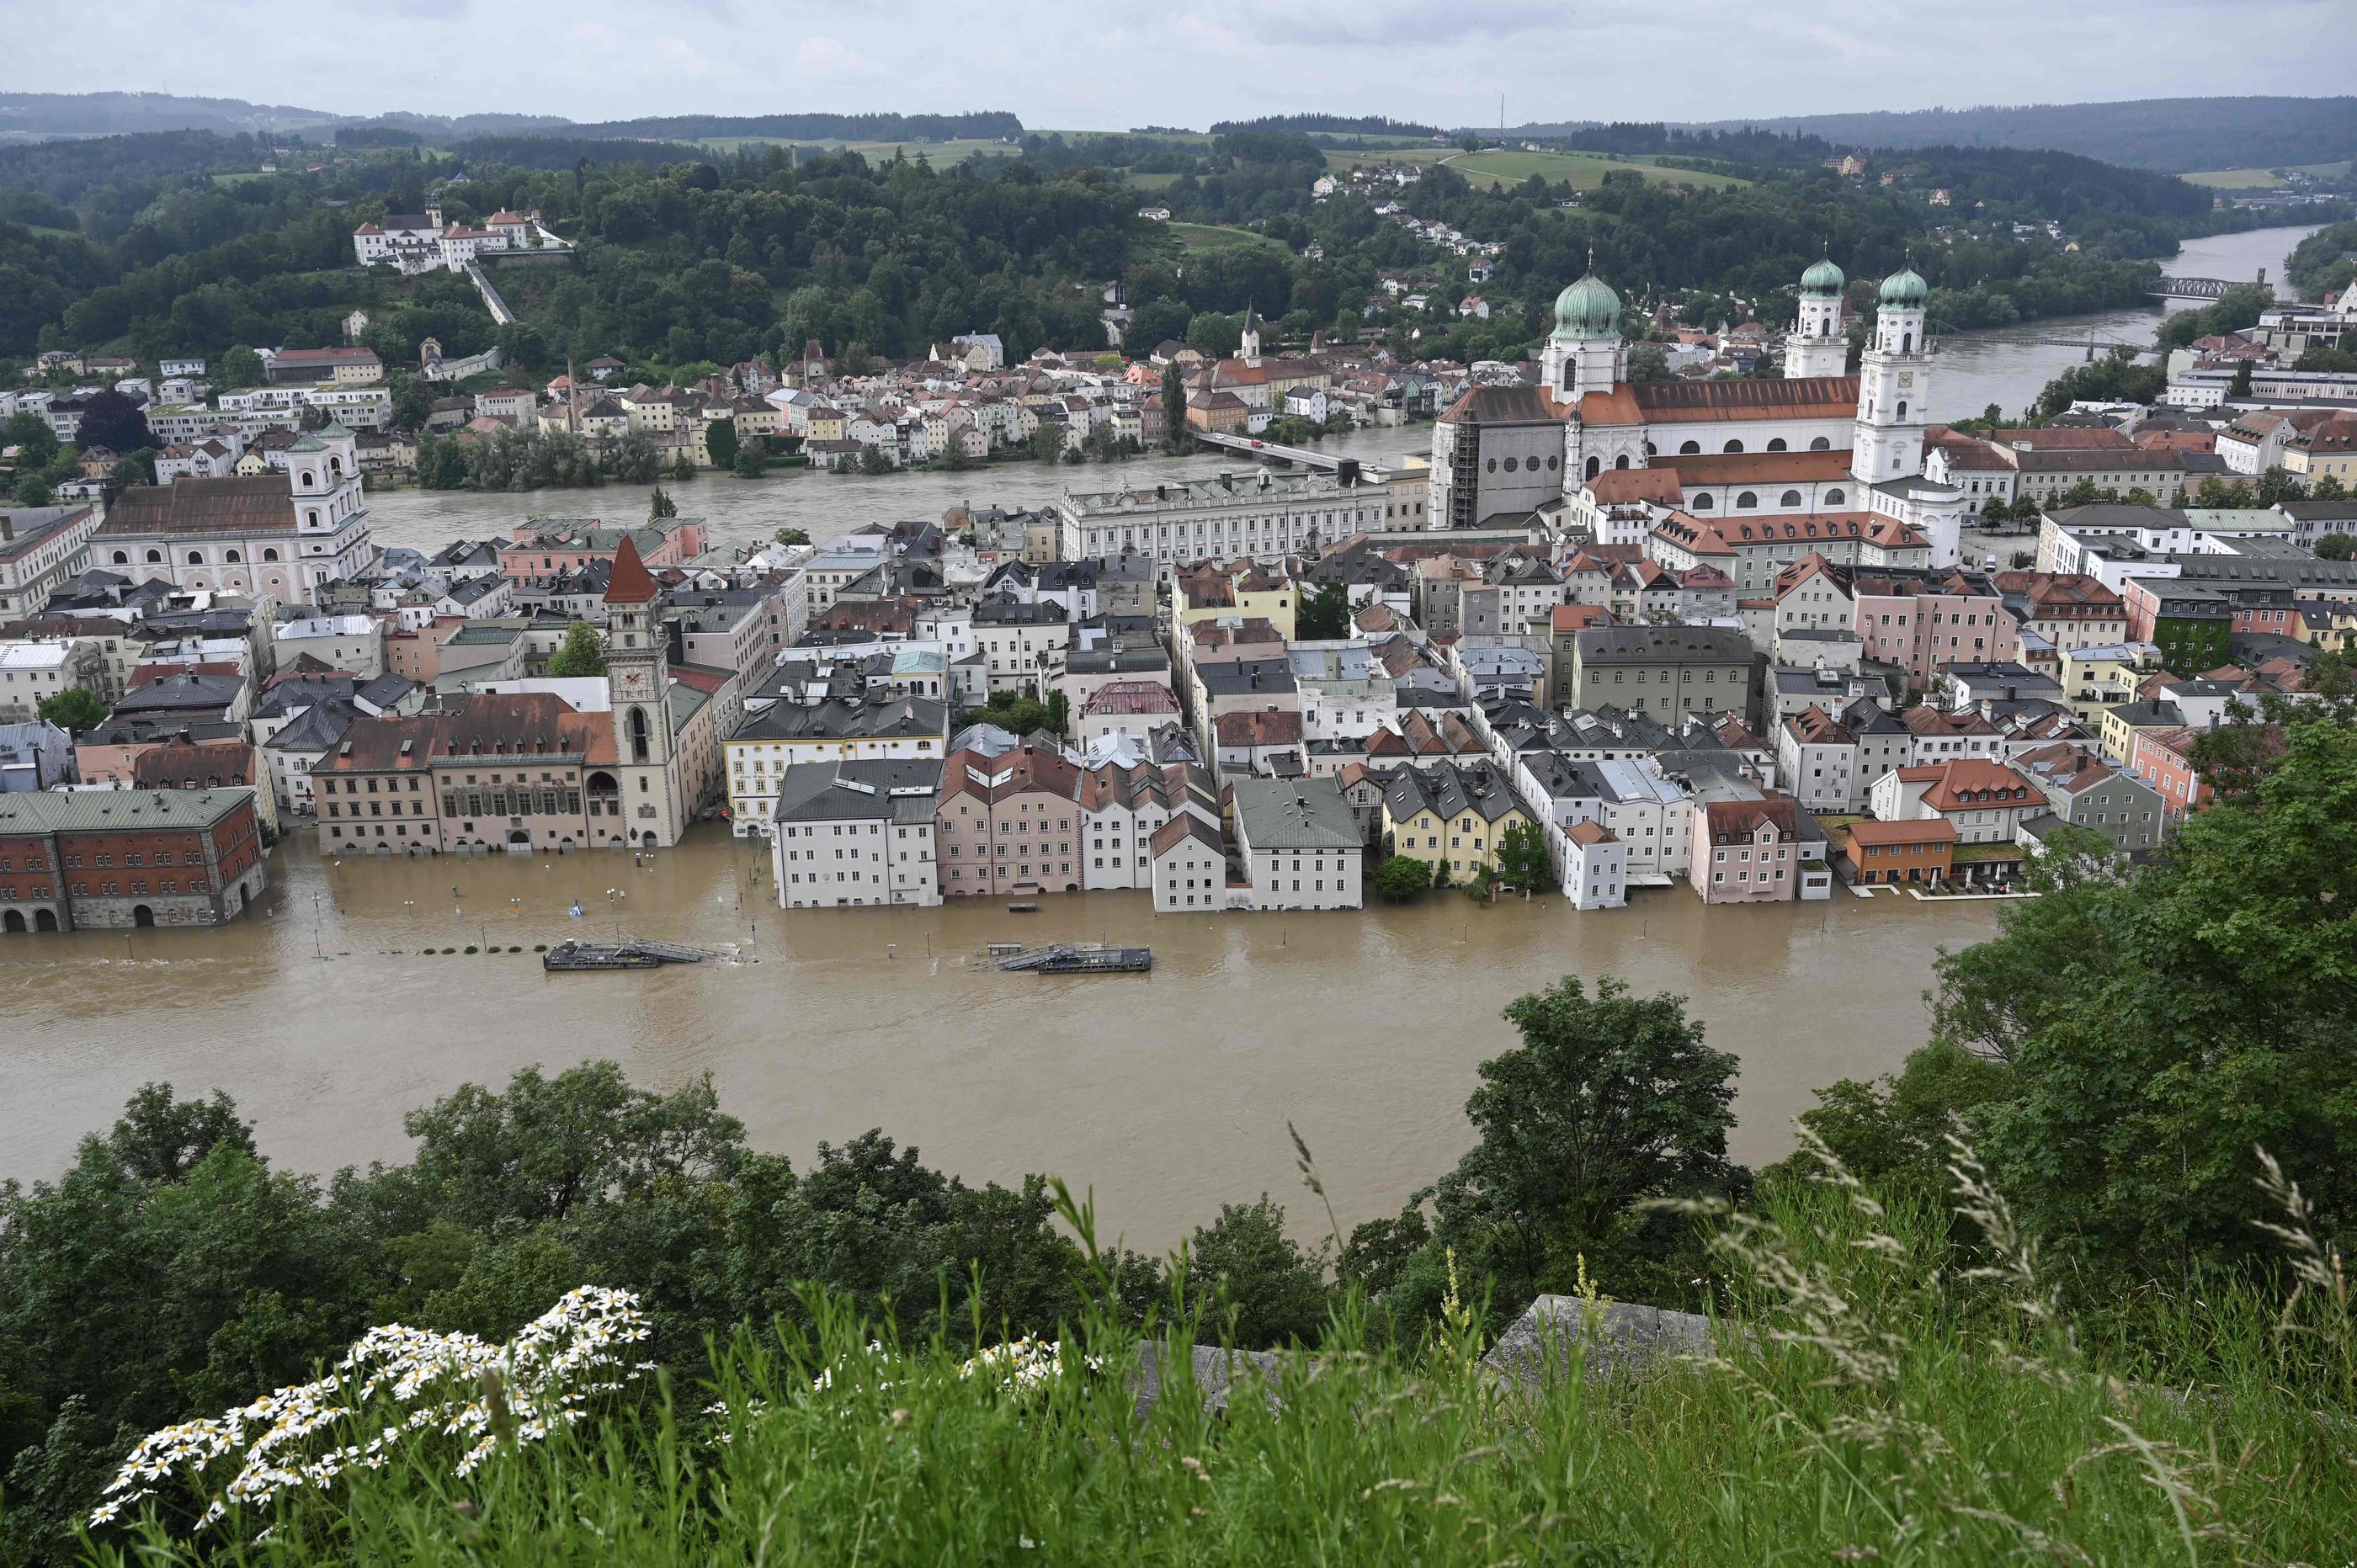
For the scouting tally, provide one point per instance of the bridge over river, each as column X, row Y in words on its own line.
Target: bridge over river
column 1270, row 452
column 2198, row 288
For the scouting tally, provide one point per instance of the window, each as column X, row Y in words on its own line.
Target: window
column 1732, row 446
column 1690, row 449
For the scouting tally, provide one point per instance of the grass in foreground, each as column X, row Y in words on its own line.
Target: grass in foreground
column 1880, row 1405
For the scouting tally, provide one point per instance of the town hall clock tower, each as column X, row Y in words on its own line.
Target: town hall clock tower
column 637, row 674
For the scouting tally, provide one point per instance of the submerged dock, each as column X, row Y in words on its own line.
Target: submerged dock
column 630, row 953
column 1068, row 958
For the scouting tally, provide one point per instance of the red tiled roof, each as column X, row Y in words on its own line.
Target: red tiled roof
column 1757, row 468
column 631, row 583
column 1911, row 830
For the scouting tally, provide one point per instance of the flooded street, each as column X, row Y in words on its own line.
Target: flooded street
column 1167, row 1093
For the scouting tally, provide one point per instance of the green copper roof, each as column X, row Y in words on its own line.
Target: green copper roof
column 1905, row 288
column 1823, row 280
column 1588, row 309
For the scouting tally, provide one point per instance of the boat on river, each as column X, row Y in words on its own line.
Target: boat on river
column 630, row 953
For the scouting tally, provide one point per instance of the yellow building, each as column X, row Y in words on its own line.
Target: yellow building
column 2094, row 679
column 1209, row 590
column 2119, row 726
column 2328, row 625
column 829, row 425
column 2327, row 451
column 1450, row 814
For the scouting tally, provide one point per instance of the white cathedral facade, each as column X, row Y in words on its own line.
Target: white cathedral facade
column 1819, row 447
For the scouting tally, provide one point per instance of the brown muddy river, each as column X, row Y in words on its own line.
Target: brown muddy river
column 1168, row 1093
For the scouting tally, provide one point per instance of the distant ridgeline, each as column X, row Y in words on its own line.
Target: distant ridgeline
column 984, row 126
column 28, row 116
column 1356, row 124
column 2173, row 134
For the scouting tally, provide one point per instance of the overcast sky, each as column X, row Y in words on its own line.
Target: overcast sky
column 1117, row 63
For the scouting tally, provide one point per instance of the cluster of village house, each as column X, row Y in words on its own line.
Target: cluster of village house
column 1719, row 635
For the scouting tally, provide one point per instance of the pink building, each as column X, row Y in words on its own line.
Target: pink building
column 542, row 549
column 1008, row 824
column 1745, row 852
column 1919, row 621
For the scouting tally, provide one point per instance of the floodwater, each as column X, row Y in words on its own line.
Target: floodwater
column 1168, row 1093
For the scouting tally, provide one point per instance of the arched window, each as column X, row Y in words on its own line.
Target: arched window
column 1702, row 502
column 1907, row 342
column 1732, row 446
column 196, row 557
column 270, row 555
column 1903, row 408
column 1747, row 502
column 1652, row 450
column 311, row 519
column 1690, row 449
column 122, row 559
column 1790, row 497
column 232, row 556
column 1821, row 444
column 1595, row 467
column 335, row 467
column 1832, row 497
column 1621, row 461
column 638, row 734
column 1776, row 444
column 155, row 557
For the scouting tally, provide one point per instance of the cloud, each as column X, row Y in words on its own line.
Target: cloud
column 1416, row 24
column 826, row 57
column 594, row 36
column 1849, row 46
column 677, row 57
column 1210, row 34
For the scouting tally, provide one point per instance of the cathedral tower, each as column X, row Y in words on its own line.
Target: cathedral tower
column 1815, row 345
column 1585, row 353
column 1894, row 381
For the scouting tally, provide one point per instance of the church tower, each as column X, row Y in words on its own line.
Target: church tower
column 638, row 676
column 1893, row 382
column 1248, row 348
column 1815, row 345
column 1585, row 353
